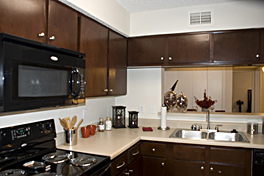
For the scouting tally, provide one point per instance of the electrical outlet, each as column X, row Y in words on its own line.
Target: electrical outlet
column 142, row 109
column 152, row 109
column 85, row 114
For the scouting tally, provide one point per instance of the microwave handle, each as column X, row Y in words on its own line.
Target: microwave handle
column 72, row 82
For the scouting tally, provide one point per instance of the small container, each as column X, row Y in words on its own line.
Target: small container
column 252, row 128
column 133, row 119
column 101, row 126
column 70, row 137
column 108, row 124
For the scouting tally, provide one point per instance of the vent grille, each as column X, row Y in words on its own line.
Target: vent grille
column 201, row 18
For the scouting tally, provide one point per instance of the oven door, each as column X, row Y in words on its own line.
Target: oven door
column 35, row 78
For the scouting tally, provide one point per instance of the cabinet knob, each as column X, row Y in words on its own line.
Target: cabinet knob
column 42, row 34
column 162, row 58
column 110, row 90
column 126, row 173
column 153, row 149
column 162, row 164
column 211, row 169
column 257, row 55
column 170, row 58
column 202, row 168
column 52, row 37
column 105, row 90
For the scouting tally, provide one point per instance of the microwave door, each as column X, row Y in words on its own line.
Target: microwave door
column 74, row 83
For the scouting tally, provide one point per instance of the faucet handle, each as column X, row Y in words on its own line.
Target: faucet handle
column 196, row 126
column 217, row 127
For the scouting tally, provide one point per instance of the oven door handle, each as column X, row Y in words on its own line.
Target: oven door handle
column 72, row 83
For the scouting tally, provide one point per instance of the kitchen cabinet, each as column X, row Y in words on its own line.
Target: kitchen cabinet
column 43, row 21
column 94, row 43
column 237, row 47
column 210, row 161
column 154, row 158
column 106, row 63
column 169, row 50
column 117, row 64
column 262, row 44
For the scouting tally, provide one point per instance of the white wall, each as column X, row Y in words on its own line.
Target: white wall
column 90, row 112
column 107, row 11
column 143, row 88
column 232, row 15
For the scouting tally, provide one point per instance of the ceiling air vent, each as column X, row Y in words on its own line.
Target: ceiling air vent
column 200, row 18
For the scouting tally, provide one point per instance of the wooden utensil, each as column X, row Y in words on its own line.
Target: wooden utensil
column 79, row 123
column 73, row 121
column 67, row 122
column 62, row 122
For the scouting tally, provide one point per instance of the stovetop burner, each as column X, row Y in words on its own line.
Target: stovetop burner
column 83, row 161
column 55, row 158
column 13, row 172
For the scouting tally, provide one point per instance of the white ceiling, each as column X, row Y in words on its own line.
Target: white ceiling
column 133, row 6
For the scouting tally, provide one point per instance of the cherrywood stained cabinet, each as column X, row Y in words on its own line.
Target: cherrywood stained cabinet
column 262, row 44
column 46, row 21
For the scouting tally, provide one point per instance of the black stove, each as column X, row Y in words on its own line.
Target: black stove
column 30, row 149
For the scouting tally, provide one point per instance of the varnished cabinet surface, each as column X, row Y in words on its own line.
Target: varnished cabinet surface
column 262, row 44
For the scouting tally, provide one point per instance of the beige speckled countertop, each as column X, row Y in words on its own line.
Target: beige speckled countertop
column 114, row 142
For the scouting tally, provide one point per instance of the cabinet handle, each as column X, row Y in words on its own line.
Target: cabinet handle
column 121, row 165
column 211, row 169
column 162, row 164
column 131, row 171
column 52, row 37
column 162, row 58
column 170, row 58
column 153, row 149
column 257, row 55
column 126, row 173
column 110, row 90
column 42, row 34
column 105, row 90
column 136, row 153
column 202, row 168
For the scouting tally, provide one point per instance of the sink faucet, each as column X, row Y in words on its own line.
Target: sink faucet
column 208, row 119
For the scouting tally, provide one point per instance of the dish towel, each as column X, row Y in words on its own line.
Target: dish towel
column 147, row 129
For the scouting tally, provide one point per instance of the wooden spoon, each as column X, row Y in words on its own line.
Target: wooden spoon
column 63, row 124
column 67, row 122
column 79, row 123
column 73, row 121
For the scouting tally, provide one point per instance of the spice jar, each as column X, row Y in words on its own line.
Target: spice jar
column 108, row 124
column 101, row 126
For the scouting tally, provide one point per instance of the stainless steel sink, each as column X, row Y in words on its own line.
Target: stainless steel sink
column 215, row 136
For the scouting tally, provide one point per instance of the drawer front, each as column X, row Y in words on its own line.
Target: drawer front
column 119, row 164
column 225, row 170
column 133, row 153
column 189, row 152
column 153, row 149
column 228, row 155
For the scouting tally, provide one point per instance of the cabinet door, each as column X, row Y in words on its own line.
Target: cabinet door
column 188, row 168
column 133, row 169
column 117, row 64
column 93, row 42
column 226, row 170
column 62, row 26
column 25, row 18
column 153, row 166
column 187, row 49
column 262, row 45
column 236, row 47
column 146, row 51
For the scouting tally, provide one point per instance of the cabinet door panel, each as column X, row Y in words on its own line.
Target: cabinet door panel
column 236, row 47
column 117, row 64
column 93, row 42
column 146, row 51
column 189, row 152
column 189, row 48
column 153, row 166
column 63, row 25
column 25, row 18
column 227, row 155
column 153, row 149
column 188, row 168
column 225, row 170
column 262, row 45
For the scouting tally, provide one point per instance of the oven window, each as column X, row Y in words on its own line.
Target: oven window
column 42, row 82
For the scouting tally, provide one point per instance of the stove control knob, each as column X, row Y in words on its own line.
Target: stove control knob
column 41, row 127
column 48, row 126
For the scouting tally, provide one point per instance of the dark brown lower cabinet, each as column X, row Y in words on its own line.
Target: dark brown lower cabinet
column 226, row 170
column 153, row 166
column 186, row 168
column 133, row 169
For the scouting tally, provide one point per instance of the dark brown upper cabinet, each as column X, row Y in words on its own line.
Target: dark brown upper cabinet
column 25, row 18
column 169, row 50
column 46, row 21
column 237, row 47
column 94, row 42
column 117, row 64
column 262, row 44
column 145, row 51
column 189, row 48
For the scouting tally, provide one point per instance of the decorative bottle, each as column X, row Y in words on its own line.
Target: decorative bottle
column 108, row 124
column 101, row 126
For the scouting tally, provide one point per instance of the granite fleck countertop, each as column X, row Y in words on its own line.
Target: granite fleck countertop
column 114, row 142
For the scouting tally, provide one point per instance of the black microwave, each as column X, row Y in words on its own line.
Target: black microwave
column 35, row 75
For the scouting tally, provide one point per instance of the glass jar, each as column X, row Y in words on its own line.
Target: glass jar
column 108, row 124
column 101, row 126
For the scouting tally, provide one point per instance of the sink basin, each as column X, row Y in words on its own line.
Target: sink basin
column 215, row 136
